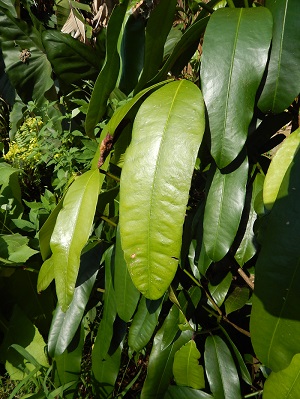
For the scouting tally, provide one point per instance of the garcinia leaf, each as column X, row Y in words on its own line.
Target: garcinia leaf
column 231, row 74
column 155, row 183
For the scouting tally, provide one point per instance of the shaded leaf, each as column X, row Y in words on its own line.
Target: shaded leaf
column 186, row 368
column 237, row 299
column 175, row 392
column 219, row 291
column 153, row 199
column 283, row 78
column 231, row 74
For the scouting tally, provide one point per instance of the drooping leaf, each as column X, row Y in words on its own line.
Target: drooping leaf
column 284, row 384
column 71, row 232
column 274, row 322
column 231, row 74
column 175, row 392
column 153, row 198
column 158, row 28
column 65, row 325
column 144, row 323
column 283, row 78
column 72, row 60
column 237, row 299
column 32, row 77
column 159, row 372
column 127, row 296
column 220, row 369
column 186, row 369
column 108, row 76
column 223, row 210
column 219, row 291
column 278, row 168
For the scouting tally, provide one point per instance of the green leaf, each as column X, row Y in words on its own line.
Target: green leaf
column 220, row 369
column 284, row 384
column 219, row 291
column 127, row 296
column 32, row 79
column 65, row 325
column 143, row 324
column 186, row 368
column 223, row 211
column 108, row 76
column 9, row 5
column 283, row 78
column 71, row 232
column 153, row 199
column 175, row 392
column 158, row 28
column 231, row 74
column 278, row 168
column 237, row 299
column 160, row 365
column 274, row 322
column 14, row 248
column 72, row 60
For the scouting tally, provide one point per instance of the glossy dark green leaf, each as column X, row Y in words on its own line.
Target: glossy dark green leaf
column 186, row 368
column 231, row 74
column 283, row 78
column 160, row 365
column 65, row 325
column 220, row 369
column 71, row 232
column 127, row 296
column 153, row 199
column 72, row 60
column 158, row 28
column 219, row 291
column 237, row 299
column 223, row 211
column 9, row 5
column 108, row 76
column 143, row 324
column 32, row 78
column 175, row 392
column 284, row 384
column 132, row 52
column 274, row 322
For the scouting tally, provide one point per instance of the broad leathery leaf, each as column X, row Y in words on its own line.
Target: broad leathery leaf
column 219, row 291
column 155, row 183
column 284, row 384
column 231, row 74
column 65, row 325
column 283, row 78
column 186, row 369
column 71, row 232
column 143, row 324
column 158, row 28
column 220, row 369
column 248, row 246
column 278, row 168
column 159, row 372
column 107, row 78
column 72, row 60
column 274, row 322
column 223, row 211
column 237, row 299
column 9, row 5
column 127, row 296
column 175, row 392
column 105, row 330
column 32, row 78
column 243, row 368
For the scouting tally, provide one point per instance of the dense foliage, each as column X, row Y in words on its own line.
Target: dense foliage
column 149, row 190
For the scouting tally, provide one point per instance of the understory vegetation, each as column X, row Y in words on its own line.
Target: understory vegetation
column 149, row 199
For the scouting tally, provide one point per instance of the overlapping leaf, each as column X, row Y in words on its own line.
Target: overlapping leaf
column 155, row 183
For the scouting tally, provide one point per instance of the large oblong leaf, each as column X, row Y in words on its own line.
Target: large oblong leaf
column 235, row 52
column 223, row 211
column 155, row 183
column 283, row 79
column 71, row 232
column 274, row 323
column 220, row 369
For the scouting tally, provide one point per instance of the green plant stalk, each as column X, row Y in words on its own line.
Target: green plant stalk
column 251, row 395
column 231, row 3
column 206, row 7
column 246, row 3
column 107, row 220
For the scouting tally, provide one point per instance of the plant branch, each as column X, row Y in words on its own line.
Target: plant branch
column 231, row 3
